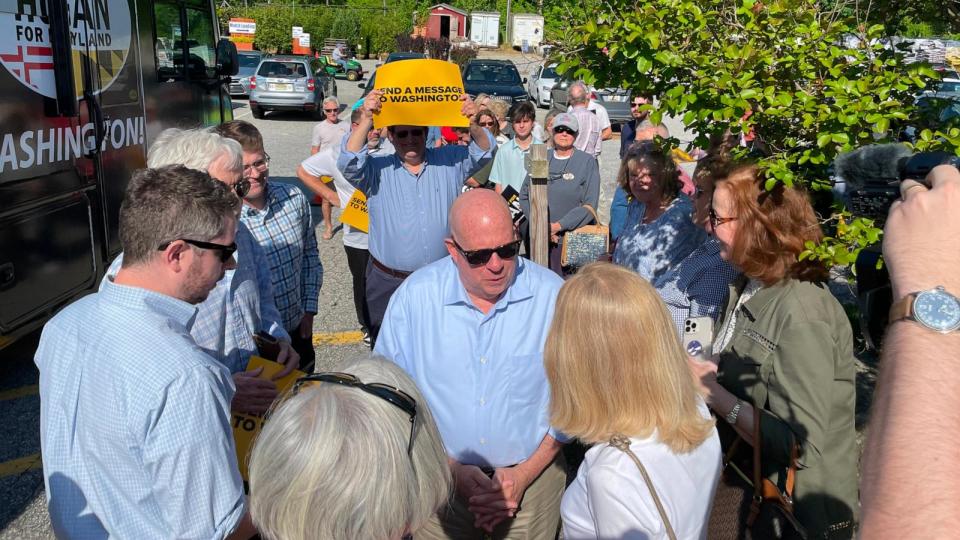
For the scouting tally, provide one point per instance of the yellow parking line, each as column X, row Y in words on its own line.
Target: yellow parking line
column 23, row 391
column 20, row 465
column 337, row 338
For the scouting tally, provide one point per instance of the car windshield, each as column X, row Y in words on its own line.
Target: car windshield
column 549, row 73
column 493, row 73
column 249, row 60
column 283, row 70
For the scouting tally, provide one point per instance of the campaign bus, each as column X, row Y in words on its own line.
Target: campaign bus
column 85, row 86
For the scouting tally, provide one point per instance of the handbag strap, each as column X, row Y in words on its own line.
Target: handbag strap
column 623, row 444
column 592, row 213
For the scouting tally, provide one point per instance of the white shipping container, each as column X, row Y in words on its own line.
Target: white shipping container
column 485, row 28
column 526, row 27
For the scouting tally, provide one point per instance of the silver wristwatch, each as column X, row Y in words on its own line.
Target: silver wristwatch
column 731, row 416
column 935, row 309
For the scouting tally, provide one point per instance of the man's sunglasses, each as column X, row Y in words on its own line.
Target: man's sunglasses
column 241, row 188
column 482, row 256
column 390, row 394
column 564, row 129
column 225, row 251
column 404, row 133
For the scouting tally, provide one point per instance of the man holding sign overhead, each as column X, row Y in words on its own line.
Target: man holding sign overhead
column 409, row 193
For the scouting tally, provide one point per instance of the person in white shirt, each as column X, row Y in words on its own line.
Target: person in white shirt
column 619, row 376
column 328, row 134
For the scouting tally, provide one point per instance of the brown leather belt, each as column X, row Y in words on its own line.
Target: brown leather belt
column 389, row 271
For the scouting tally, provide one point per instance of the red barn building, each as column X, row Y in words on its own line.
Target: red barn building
column 445, row 21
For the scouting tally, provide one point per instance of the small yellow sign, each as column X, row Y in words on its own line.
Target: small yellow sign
column 420, row 93
column 246, row 427
column 355, row 213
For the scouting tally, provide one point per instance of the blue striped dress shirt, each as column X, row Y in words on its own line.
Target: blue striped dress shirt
column 135, row 422
column 481, row 374
column 408, row 213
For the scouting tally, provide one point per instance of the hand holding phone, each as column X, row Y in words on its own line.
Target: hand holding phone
column 698, row 337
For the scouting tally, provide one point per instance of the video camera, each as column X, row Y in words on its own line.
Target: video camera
column 868, row 178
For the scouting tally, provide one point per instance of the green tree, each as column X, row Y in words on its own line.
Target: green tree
column 815, row 83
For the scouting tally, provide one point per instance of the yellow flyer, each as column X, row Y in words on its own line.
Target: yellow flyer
column 246, row 427
column 355, row 213
column 418, row 93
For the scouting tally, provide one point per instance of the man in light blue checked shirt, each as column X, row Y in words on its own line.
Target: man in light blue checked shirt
column 134, row 418
column 279, row 217
column 408, row 196
column 470, row 330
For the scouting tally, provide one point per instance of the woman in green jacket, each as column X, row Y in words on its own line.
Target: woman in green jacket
column 784, row 347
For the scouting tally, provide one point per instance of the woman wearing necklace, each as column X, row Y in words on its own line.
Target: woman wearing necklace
column 574, row 182
column 659, row 231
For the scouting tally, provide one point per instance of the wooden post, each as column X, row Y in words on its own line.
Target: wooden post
column 539, row 220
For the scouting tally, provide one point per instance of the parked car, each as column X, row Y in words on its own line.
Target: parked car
column 497, row 78
column 615, row 100
column 290, row 83
column 240, row 83
column 394, row 56
column 541, row 83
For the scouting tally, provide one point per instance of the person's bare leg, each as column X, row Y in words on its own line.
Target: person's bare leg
column 326, row 210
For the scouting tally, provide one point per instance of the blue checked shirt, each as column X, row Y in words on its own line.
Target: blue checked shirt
column 239, row 306
column 135, row 422
column 698, row 286
column 408, row 213
column 482, row 375
column 284, row 229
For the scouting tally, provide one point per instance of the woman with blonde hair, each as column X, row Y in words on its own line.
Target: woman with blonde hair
column 351, row 454
column 619, row 380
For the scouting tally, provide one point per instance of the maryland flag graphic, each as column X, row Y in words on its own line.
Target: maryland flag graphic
column 100, row 30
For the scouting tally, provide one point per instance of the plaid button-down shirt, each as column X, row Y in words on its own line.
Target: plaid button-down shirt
column 284, row 229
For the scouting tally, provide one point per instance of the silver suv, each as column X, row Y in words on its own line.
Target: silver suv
column 290, row 83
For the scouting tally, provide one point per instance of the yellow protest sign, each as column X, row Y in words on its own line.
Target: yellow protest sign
column 355, row 213
column 420, row 93
column 246, row 427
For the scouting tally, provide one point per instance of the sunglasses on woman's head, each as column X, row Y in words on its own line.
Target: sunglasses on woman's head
column 477, row 257
column 390, row 394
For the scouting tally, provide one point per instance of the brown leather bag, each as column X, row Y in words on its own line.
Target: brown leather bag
column 748, row 508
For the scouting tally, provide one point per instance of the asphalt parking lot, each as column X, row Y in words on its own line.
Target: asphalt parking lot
column 23, row 513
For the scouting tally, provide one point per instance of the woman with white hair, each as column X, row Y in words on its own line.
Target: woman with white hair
column 352, row 454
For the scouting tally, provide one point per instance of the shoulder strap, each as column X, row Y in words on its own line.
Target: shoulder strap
column 592, row 213
column 623, row 444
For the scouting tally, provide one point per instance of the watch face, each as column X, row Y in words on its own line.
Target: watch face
column 938, row 310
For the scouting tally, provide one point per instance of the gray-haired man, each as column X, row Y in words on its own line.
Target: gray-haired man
column 589, row 138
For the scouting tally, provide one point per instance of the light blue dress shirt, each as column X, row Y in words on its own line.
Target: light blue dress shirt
column 135, row 422
column 651, row 249
column 408, row 213
column 509, row 166
column 482, row 375
column 239, row 306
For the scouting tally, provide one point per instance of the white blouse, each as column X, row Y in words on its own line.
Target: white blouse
column 610, row 500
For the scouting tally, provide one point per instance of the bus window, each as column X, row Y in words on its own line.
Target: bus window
column 201, row 44
column 167, row 19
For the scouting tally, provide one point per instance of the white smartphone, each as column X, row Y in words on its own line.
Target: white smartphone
column 698, row 337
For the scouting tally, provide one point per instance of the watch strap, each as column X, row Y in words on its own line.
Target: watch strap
column 902, row 309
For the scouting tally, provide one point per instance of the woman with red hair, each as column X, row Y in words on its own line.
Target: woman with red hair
column 784, row 351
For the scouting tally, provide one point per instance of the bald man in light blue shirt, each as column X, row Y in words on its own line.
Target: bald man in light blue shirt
column 470, row 330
